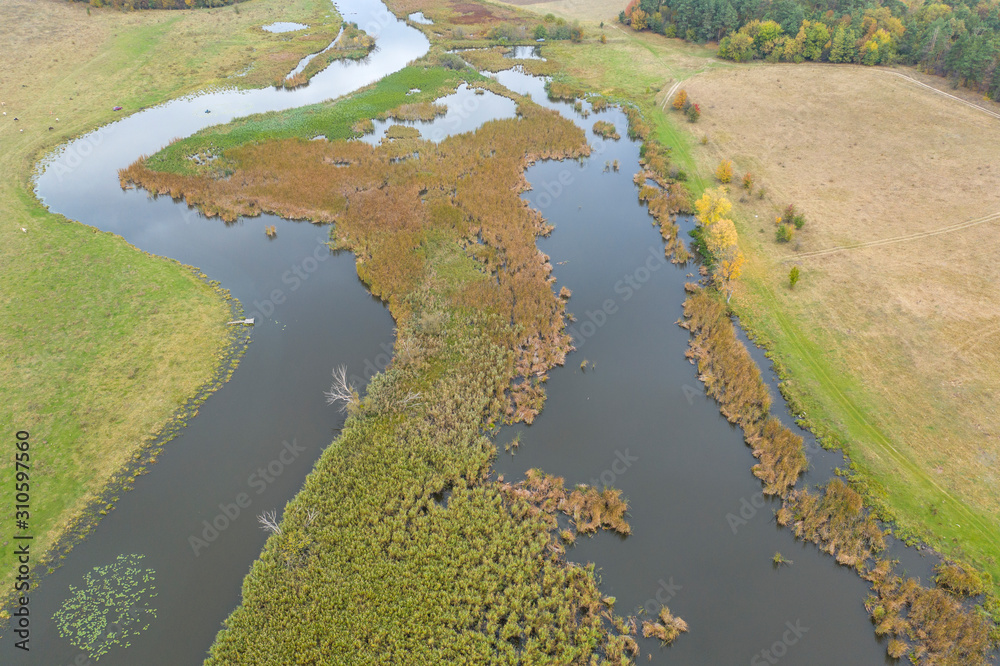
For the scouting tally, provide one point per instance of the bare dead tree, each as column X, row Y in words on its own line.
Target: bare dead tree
column 311, row 515
column 342, row 391
column 269, row 522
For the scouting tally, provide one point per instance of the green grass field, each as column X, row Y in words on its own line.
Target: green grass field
column 102, row 343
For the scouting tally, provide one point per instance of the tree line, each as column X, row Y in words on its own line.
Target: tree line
column 960, row 41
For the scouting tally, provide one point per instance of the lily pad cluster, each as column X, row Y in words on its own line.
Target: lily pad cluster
column 111, row 606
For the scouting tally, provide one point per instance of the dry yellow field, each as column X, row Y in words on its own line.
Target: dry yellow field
column 584, row 10
column 893, row 332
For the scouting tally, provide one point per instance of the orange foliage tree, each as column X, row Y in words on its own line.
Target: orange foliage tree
column 680, row 99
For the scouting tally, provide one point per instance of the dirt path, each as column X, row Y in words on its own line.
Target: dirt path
column 899, row 239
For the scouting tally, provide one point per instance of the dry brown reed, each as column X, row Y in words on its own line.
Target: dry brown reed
column 606, row 130
column 733, row 379
column 667, row 629
column 463, row 192
column 931, row 626
column 591, row 509
column 836, row 521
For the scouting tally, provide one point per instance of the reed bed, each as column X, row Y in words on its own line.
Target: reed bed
column 560, row 90
column 836, row 521
column 733, row 379
column 929, row 626
column 399, row 545
column 961, row 579
column 606, row 130
column 425, row 111
column 667, row 629
column 495, row 60
column 591, row 509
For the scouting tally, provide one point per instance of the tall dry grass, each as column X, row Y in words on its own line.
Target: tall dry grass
column 733, row 379
column 930, row 626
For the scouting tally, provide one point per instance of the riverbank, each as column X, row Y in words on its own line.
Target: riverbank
column 954, row 528
column 107, row 346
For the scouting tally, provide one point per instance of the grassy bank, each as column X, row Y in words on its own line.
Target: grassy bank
column 102, row 343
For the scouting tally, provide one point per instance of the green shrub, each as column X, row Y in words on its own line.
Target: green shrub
column 784, row 233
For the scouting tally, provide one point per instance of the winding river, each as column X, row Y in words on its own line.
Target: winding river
column 703, row 536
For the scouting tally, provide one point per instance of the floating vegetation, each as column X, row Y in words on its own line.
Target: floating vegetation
column 606, row 130
column 110, row 607
column 930, row 626
column 667, row 629
column 271, row 231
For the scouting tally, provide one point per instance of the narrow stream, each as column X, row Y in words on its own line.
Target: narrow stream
column 636, row 419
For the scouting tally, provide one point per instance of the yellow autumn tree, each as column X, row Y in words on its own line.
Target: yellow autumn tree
column 724, row 172
column 728, row 268
column 680, row 99
column 720, row 236
column 638, row 20
column 712, row 206
column 721, row 240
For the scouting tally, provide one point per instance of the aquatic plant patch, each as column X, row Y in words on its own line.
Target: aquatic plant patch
column 112, row 605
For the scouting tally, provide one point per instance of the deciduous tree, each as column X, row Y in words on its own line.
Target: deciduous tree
column 724, row 172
